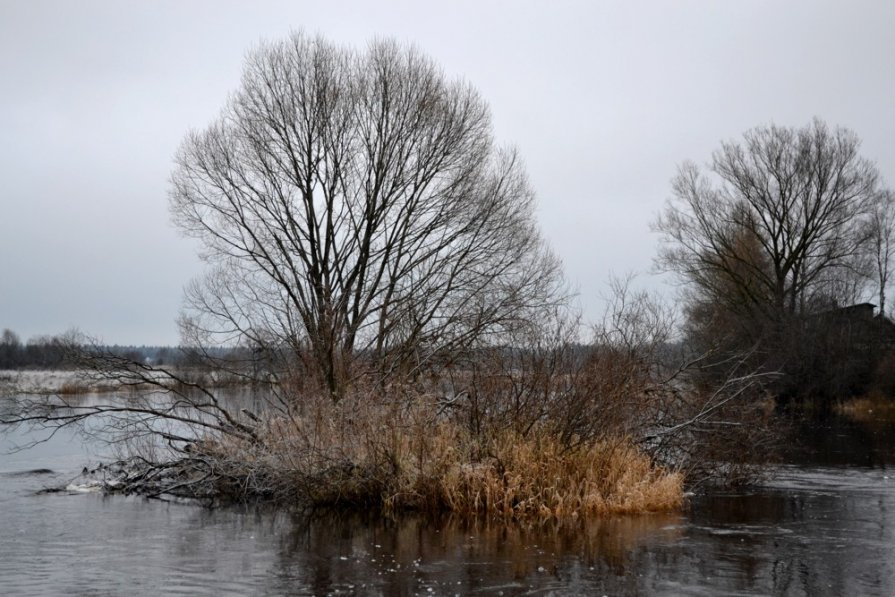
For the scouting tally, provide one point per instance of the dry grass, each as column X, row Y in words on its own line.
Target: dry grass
column 399, row 457
column 539, row 477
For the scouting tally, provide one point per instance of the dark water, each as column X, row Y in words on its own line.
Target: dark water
column 825, row 525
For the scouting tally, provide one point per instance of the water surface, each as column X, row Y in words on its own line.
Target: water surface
column 822, row 526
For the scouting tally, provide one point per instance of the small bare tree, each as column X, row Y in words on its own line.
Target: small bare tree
column 10, row 349
column 882, row 235
column 354, row 203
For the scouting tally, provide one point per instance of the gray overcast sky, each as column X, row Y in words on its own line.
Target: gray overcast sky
column 603, row 100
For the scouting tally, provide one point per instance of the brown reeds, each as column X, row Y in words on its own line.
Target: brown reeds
column 398, row 457
column 540, row 477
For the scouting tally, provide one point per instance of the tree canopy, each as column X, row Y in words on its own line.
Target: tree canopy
column 355, row 204
column 776, row 221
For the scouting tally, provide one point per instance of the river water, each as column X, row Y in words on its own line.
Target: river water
column 824, row 525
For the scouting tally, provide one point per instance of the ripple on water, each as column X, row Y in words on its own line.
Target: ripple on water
column 839, row 479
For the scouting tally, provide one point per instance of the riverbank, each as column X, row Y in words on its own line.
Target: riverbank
column 55, row 381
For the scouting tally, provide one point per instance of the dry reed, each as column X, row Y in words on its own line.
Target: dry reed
column 398, row 456
column 539, row 477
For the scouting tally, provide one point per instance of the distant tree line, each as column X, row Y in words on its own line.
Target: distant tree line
column 39, row 352
column 53, row 352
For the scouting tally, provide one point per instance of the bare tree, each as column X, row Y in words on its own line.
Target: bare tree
column 355, row 204
column 798, row 199
column 882, row 235
column 10, row 349
column 776, row 233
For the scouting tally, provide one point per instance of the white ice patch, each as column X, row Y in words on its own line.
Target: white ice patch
column 87, row 487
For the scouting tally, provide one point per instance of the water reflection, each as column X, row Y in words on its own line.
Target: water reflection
column 840, row 441
column 447, row 556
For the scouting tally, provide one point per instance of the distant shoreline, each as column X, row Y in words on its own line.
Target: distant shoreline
column 76, row 381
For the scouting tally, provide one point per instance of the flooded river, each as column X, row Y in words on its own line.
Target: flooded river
column 825, row 525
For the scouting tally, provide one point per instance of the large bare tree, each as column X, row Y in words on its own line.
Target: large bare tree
column 355, row 204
